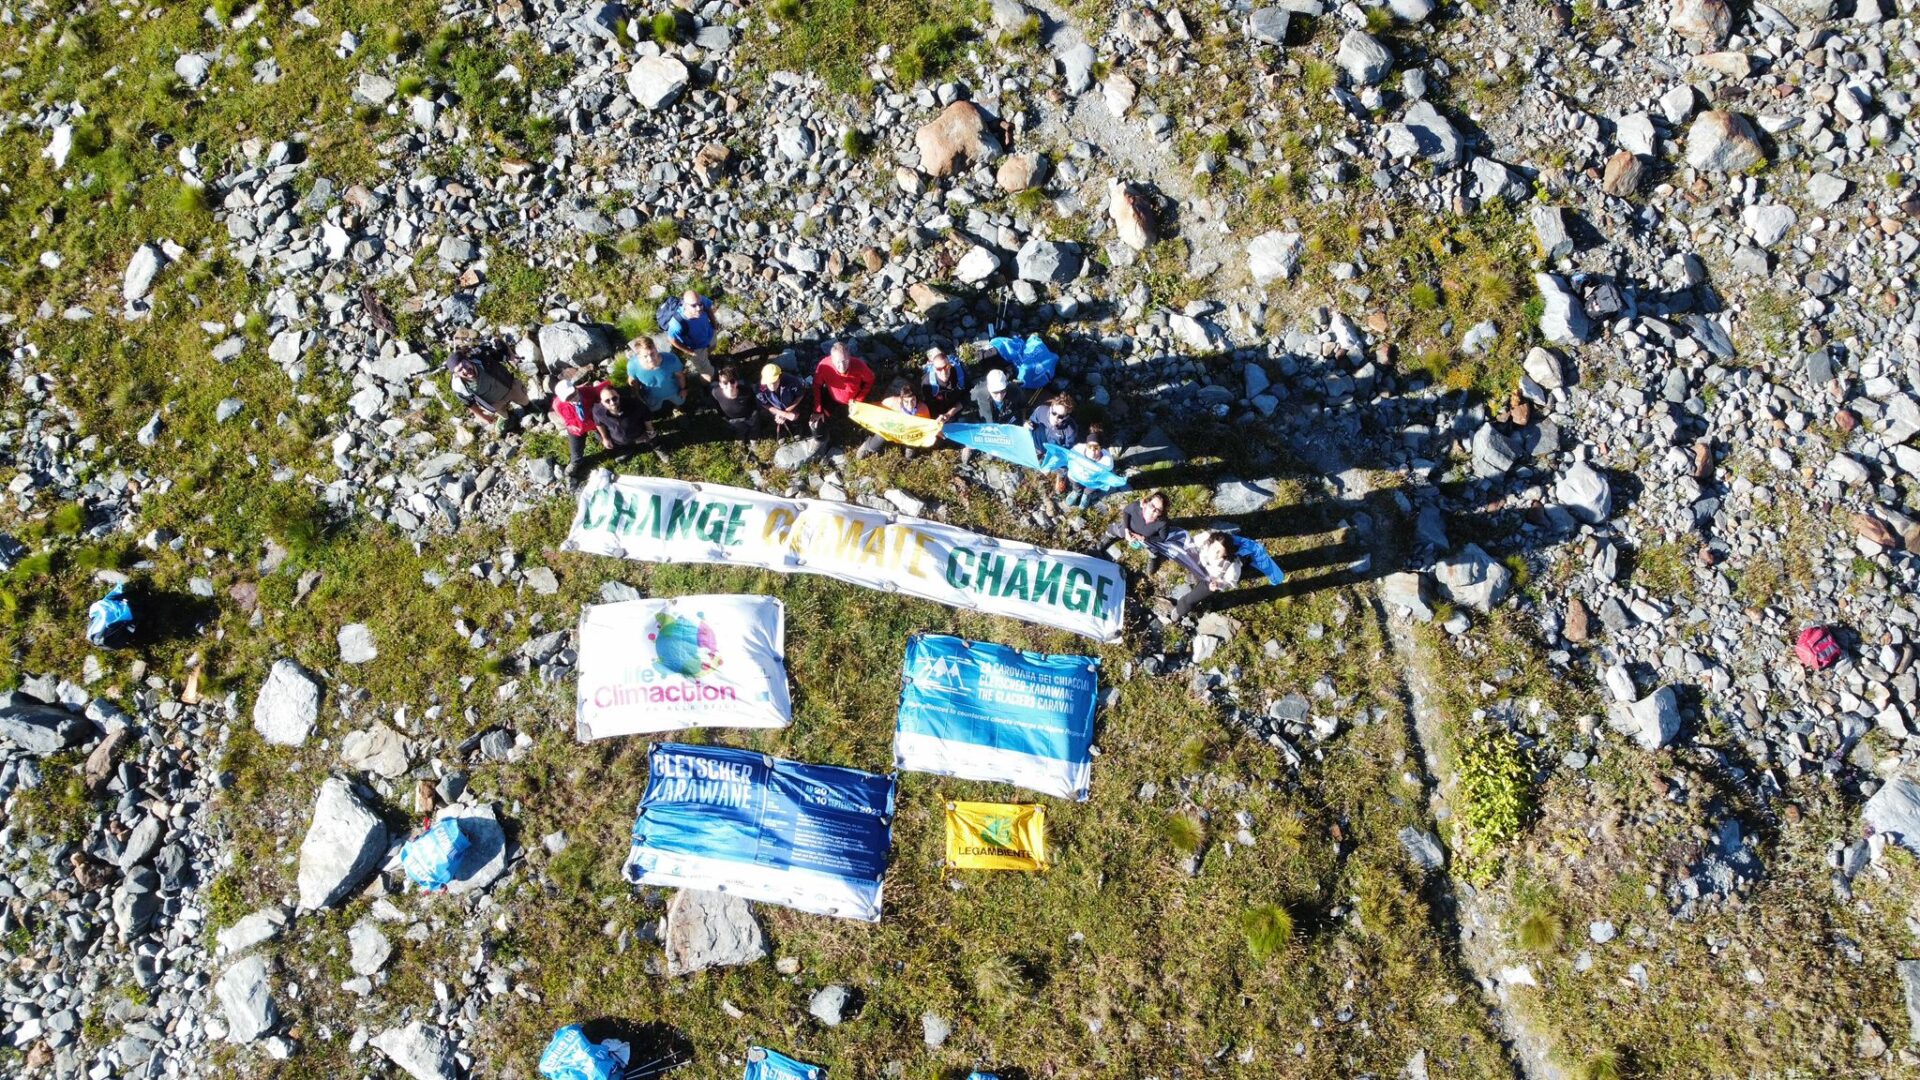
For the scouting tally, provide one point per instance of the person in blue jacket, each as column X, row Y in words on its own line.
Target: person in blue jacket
column 691, row 332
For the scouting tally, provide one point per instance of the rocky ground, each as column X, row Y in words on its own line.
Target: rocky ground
column 1562, row 354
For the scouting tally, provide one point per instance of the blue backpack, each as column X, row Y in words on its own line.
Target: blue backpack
column 110, row 620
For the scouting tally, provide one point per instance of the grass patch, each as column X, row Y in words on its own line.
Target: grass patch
column 1269, row 929
column 834, row 38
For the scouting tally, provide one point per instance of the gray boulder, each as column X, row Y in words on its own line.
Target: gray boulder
column 1495, row 182
column 1241, row 496
column 1586, row 493
column 1363, row 58
column 1473, row 579
column 1909, row 974
column 1047, row 261
column 369, row 948
column 829, row 1004
column 1651, row 722
column 1894, row 811
column 1423, row 848
column 792, row 455
column 253, row 929
column 1407, row 592
column 1563, row 318
column 356, row 644
column 656, row 81
column 40, row 728
column 1273, row 256
column 1493, row 455
column 379, row 750
column 1724, row 142
column 422, row 1051
column 1425, row 134
column 710, row 929
column 1268, row 25
column 288, row 704
column 570, row 344
column 141, row 270
column 344, row 845
column 485, row 856
column 247, row 1000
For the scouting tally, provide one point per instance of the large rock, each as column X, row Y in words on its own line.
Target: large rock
column 1586, row 493
column 369, row 948
column 379, row 750
column 1242, row 497
column 1132, row 212
column 1720, row 141
column 1768, row 222
column 1496, row 182
column 1407, row 592
column 344, row 845
column 252, row 929
column 356, row 644
column 710, row 929
column 1563, row 318
column 655, row 81
column 1473, row 579
column 1894, row 811
column 141, row 270
column 792, row 455
column 571, row 344
column 1425, row 134
column 1544, row 368
column 1273, row 256
column 1047, row 261
column 1268, row 25
column 1076, row 66
column 485, row 856
column 422, row 1051
column 1651, row 722
column 247, row 1000
column 1705, row 21
column 40, row 728
column 1020, row 172
column 976, row 266
column 1492, row 454
column 1363, row 58
column 288, row 704
column 963, row 132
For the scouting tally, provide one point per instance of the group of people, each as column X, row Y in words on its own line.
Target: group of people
column 617, row 415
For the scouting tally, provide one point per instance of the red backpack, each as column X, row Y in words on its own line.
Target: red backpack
column 1817, row 648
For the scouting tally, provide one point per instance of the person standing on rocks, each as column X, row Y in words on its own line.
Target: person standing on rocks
column 481, row 380
column 1212, row 567
column 573, row 411
column 946, row 385
column 839, row 380
column 690, row 333
column 1053, row 424
column 782, row 399
column 623, row 423
column 1093, row 448
column 660, row 380
column 738, row 406
column 901, row 398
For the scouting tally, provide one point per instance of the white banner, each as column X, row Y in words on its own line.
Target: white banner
column 692, row 661
column 656, row 520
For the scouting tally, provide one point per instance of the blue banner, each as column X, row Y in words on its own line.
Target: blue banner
column 1008, row 442
column 812, row 837
column 1082, row 469
column 765, row 1064
column 987, row 712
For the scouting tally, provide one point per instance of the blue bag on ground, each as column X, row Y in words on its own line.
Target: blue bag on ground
column 430, row 858
column 765, row 1064
column 110, row 620
column 1034, row 364
column 571, row 1057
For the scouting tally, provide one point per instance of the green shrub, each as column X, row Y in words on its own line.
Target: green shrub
column 1423, row 297
column 438, row 49
column 1268, row 929
column 663, row 232
column 70, row 519
column 1605, row 1065
column 634, row 321
column 1538, row 931
column 410, row 85
column 930, row 51
column 855, row 143
column 1495, row 795
column 191, row 201
column 1183, row 832
column 666, row 29
column 1379, row 20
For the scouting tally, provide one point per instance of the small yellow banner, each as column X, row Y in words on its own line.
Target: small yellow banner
column 894, row 425
column 996, row 836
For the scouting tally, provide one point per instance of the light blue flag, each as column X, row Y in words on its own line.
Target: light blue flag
column 765, row 1064
column 1082, row 469
column 1008, row 442
column 1034, row 364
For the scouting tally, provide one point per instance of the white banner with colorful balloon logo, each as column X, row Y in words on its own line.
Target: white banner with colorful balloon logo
column 691, row 661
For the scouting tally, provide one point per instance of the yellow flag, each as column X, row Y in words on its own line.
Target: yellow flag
column 996, row 836
column 894, row 425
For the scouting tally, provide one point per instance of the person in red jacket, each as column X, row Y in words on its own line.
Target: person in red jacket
column 840, row 380
column 573, row 409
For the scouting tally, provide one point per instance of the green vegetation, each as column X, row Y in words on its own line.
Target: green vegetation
column 1269, row 928
column 833, row 38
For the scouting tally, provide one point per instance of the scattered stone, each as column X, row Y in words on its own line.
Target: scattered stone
column 828, row 1004
column 656, row 81
column 1723, row 142
column 39, row 728
column 246, row 1000
column 344, row 844
column 1273, row 256
column 422, row 1051
column 1651, row 722
column 379, row 750
column 356, row 644
column 288, row 704
column 369, row 948
column 1473, row 579
column 710, row 929
column 962, row 132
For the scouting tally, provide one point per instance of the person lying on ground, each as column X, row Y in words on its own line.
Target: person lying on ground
column 690, row 333
column 945, row 389
column 1211, row 566
column 839, row 380
column 1093, row 448
column 738, row 406
column 660, row 380
column 573, row 411
column 782, row 398
column 482, row 382
column 901, row 398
